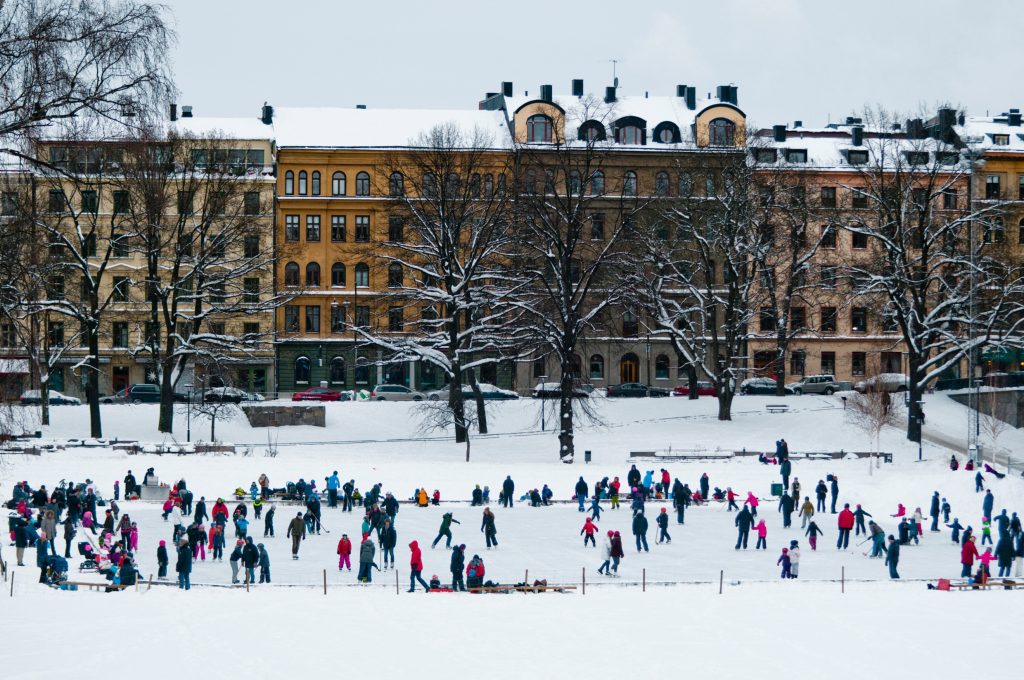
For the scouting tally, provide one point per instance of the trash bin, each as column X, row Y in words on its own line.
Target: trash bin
column 776, row 488
column 586, row 456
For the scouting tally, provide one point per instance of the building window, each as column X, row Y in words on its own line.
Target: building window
column 631, row 134
column 363, row 316
column 796, row 155
column 302, row 370
column 859, row 240
column 1000, row 140
column 362, row 275
column 251, row 203
column 302, row 183
column 765, row 155
column 828, row 197
column 859, row 320
column 337, row 376
column 396, row 229
column 596, row 367
column 539, row 368
column 251, row 246
column 892, row 362
column 55, row 287
column 337, row 318
column 722, row 132
column 858, row 363
column 597, row 183
column 859, row 199
column 338, row 184
column 661, row 367
column 396, row 185
column 312, row 228
column 488, row 188
column 217, row 293
column 289, row 183
column 767, row 319
column 828, row 363
column 575, row 183
column 57, row 202
column 395, row 275
column 362, row 228
column 291, row 228
column 857, row 157
column 291, row 318
column 661, row 183
column 90, row 202
column 629, row 183
column 312, row 318
column 630, row 326
column 994, row 231
column 120, row 290
column 251, row 291
column 338, row 275
column 828, row 236
column 395, row 320
column 829, row 276
column 312, row 275
column 315, row 184
column 8, row 335
column 120, row 334
column 949, row 199
column 592, row 131
column 291, row 274
column 538, row 129
column 992, row 186
column 1020, row 232
column 362, row 184
column 597, row 226
column 828, row 319
column 217, row 328
column 797, row 362
column 337, row 228
column 797, row 318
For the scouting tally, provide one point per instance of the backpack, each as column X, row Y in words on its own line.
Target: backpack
column 472, row 571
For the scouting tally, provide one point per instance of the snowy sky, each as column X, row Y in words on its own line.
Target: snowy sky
column 792, row 59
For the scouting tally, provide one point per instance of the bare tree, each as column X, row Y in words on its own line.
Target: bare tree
column 995, row 413
column 874, row 410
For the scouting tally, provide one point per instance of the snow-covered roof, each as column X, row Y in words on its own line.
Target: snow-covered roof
column 378, row 128
column 983, row 132
column 229, row 128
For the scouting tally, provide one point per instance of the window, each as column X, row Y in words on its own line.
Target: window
column 596, row 367
column 488, row 185
column 797, row 362
column 722, row 132
column 919, row 197
column 630, row 327
column 828, row 236
column 597, row 226
column 474, row 185
column 55, row 287
column 251, row 246
column 291, row 228
column 629, row 183
column 217, row 327
column 337, row 228
column 549, row 183
column 302, row 370
column 597, row 183
column 829, row 276
column 363, row 184
column 302, row 183
column 363, row 316
column 667, row 133
column 947, row 157
column 251, row 203
column 218, row 246
column 429, row 185
column 338, row 275
column 661, row 183
column 120, row 288
column 661, row 367
column 395, row 275
column 949, row 199
column 765, row 155
column 859, row 199
column 892, row 362
column 8, row 334
column 538, row 129
column 57, row 202
column 828, row 197
column 767, row 319
column 685, row 184
column 1020, row 188
column 396, row 185
column 828, row 320
column 592, row 131
column 121, row 202
column 858, row 363
column 396, row 229
column 395, row 320
column 709, row 185
column 362, row 275
column 362, row 228
column 89, row 245
column 917, row 157
column 859, row 240
column 312, row 228
column 337, row 375
column 291, row 274
column 992, row 186
column 539, row 369
column 217, row 293
column 291, row 318
column 312, row 275
column 315, row 183
column 338, row 184
column 120, row 334
column 859, row 320
column 337, row 318
column 575, row 183
column 1001, row 140
column 857, row 157
column 994, row 231
column 631, row 134
column 312, row 318
column 90, row 202
column 1020, row 232
column 796, row 155
column 828, row 363
column 251, row 291
column 797, row 318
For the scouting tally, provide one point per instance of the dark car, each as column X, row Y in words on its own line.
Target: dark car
column 54, row 398
column 636, row 390
column 553, row 390
column 704, row 389
column 319, row 394
column 761, row 386
column 143, row 394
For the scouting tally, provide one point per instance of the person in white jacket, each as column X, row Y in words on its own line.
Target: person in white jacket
column 794, row 559
column 605, row 567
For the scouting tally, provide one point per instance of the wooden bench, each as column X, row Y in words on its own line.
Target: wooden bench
column 776, row 408
column 991, row 583
column 96, row 586
column 518, row 589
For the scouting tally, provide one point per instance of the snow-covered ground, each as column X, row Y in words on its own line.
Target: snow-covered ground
column 760, row 625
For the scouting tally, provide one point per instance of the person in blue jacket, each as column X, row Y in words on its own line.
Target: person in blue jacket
column 546, row 494
column 265, row 563
column 987, row 503
column 892, row 557
column 333, row 484
column 648, row 483
column 640, row 531
column 957, row 528
column 582, row 490
column 42, row 555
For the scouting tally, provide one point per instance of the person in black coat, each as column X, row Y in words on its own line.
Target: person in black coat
column 935, row 511
column 184, row 565
column 640, row 526
column 820, row 492
column 1004, row 554
column 508, row 487
column 161, row 560
column 705, row 486
column 388, row 541
column 786, row 508
column 200, row 514
column 633, row 477
column 744, row 520
column 347, row 489
column 458, row 563
column 264, row 564
column 662, row 521
column 858, row 515
column 390, row 506
column 835, row 492
column 892, row 557
column 250, row 558
column 478, row 496
column 582, row 491
column 785, row 469
column 679, row 501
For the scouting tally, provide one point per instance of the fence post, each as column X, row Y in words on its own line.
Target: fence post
column 325, row 581
column 397, row 592
column 526, row 578
column 721, row 578
column 644, row 581
column 584, row 580
column 150, row 586
column 246, row 580
column 842, row 580
column 12, row 583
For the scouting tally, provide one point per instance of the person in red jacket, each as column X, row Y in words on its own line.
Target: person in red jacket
column 614, row 493
column 617, row 552
column 968, row 553
column 666, row 481
column 588, row 530
column 416, row 568
column 846, row 522
column 220, row 509
column 344, row 550
column 730, row 496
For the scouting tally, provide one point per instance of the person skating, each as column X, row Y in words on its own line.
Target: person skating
column 508, row 487
column 347, row 488
column 892, row 557
column 806, row 512
column 744, row 520
column 859, row 514
column 367, row 551
column 595, row 507
column 445, row 530
column 957, row 528
column 678, row 503
column 662, row 521
column 821, row 492
column 217, row 541
column 264, row 564
column 613, row 492
column 786, row 508
column 388, row 541
column 1002, row 522
column 786, row 563
column 1004, row 555
column 456, row 567
column 979, row 482
column 846, row 522
column 617, row 552
column 69, row 534
column 877, row 539
column 785, row 469
column 794, row 559
column 968, row 553
column 297, row 532
column 582, row 491
column 161, row 560
column 986, row 530
column 762, row 536
column 812, row 533
column 834, row 490
column 250, row 558
column 934, row 511
column 705, row 486
column 752, row 502
column 478, row 498
column 588, row 531
column 416, row 567
column 235, row 560
column 184, row 565
column 605, row 567
column 640, row 531
column 344, row 553
column 488, row 529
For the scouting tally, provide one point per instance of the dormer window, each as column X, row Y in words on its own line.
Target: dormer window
column 1001, row 140
column 722, row 132
column 667, row 132
column 630, row 134
column 592, row 131
column 917, row 157
column 857, row 157
column 796, row 155
column 538, row 129
column 947, row 157
column 765, row 155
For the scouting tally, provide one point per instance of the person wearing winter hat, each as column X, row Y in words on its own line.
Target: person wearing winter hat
column 617, row 552
column 264, row 564
column 605, row 567
column 662, row 521
column 794, row 559
column 892, row 557
column 297, row 532
column 457, row 565
column 416, row 567
column 235, row 559
column 786, row 563
column 588, row 531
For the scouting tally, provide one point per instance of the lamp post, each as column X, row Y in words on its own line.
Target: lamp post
column 543, row 384
column 188, row 417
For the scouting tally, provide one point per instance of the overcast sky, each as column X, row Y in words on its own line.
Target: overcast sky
column 791, row 59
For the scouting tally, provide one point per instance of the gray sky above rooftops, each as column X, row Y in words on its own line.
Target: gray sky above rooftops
column 809, row 60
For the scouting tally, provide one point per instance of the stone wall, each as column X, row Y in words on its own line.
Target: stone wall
column 1006, row 405
column 283, row 416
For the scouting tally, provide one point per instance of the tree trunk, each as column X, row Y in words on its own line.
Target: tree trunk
column 44, row 400
column 780, row 371
column 566, row 443
column 166, row 421
column 913, row 413
column 481, row 411
column 92, row 389
column 691, row 378
column 213, row 425
column 457, row 404
column 725, row 404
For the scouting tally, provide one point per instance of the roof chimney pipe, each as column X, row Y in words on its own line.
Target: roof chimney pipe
column 174, row 112
column 577, row 87
column 609, row 94
column 779, row 132
column 857, row 135
column 689, row 94
column 546, row 93
column 728, row 94
column 186, row 111
column 506, row 88
column 1013, row 118
column 267, row 114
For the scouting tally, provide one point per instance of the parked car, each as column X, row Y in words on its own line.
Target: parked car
column 704, row 389
column 884, row 382
column 636, row 390
column 229, row 394
column 54, row 398
column 488, row 391
column 762, row 386
column 115, row 398
column 142, row 393
column 816, row 384
column 553, row 390
column 320, row 394
column 395, row 393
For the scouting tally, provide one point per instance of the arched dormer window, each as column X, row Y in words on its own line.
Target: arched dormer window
column 302, row 183
column 667, row 133
column 538, row 129
column 289, row 183
column 722, row 132
column 592, row 131
column 315, row 184
column 631, row 135
column 338, row 184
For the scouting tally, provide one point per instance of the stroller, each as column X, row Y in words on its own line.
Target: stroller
column 85, row 550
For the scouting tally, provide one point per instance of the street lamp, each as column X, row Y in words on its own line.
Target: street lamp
column 188, row 418
column 543, row 389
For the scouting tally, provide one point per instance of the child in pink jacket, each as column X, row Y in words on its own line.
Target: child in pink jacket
column 133, row 538
column 762, row 536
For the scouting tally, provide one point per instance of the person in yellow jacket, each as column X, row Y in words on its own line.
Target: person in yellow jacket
column 421, row 498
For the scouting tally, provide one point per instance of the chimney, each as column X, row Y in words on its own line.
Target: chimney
column 609, row 94
column 728, row 94
column 186, row 111
column 779, row 132
column 857, row 135
column 360, row 106
column 267, row 114
column 174, row 112
column 689, row 94
column 545, row 93
column 506, row 88
column 1013, row 118
column 798, row 123
column 577, row 87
